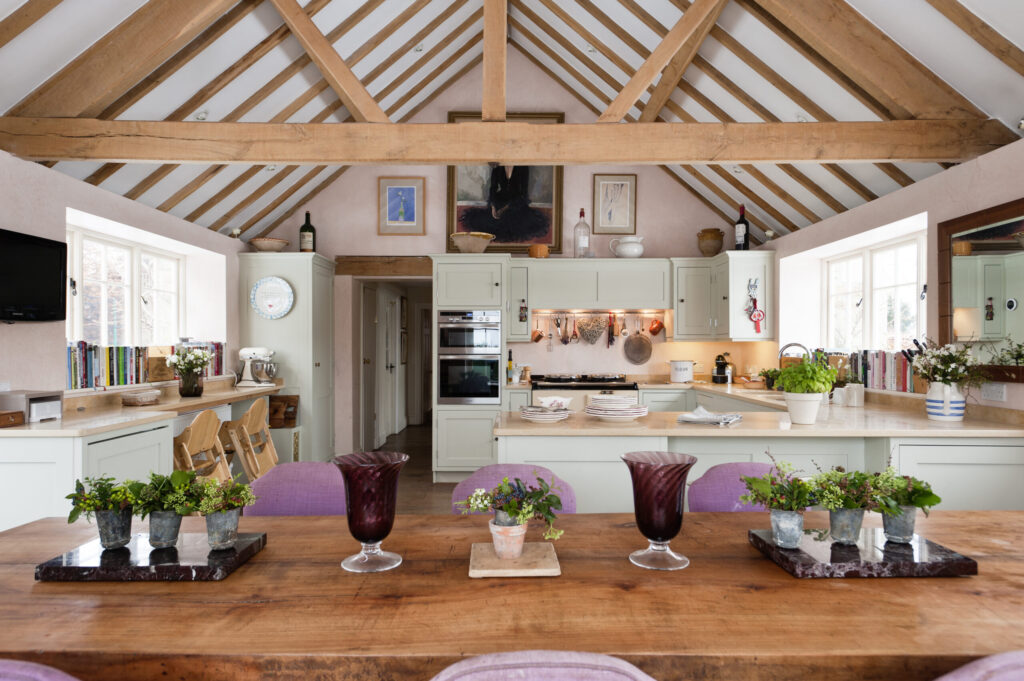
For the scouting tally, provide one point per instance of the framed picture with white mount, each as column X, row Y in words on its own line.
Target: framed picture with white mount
column 400, row 206
column 614, row 204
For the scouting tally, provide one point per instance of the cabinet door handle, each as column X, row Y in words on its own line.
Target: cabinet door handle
column 682, row 300
column 496, row 284
column 725, row 297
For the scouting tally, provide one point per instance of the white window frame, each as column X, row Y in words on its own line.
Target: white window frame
column 867, row 281
column 74, row 324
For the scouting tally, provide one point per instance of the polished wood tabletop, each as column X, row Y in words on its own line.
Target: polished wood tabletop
column 292, row 613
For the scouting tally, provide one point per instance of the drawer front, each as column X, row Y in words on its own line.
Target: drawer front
column 132, row 456
column 969, row 477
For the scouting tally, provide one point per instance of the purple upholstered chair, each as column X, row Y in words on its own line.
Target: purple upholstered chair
column 488, row 478
column 542, row 665
column 719, row 489
column 1002, row 667
column 16, row 670
column 300, row 488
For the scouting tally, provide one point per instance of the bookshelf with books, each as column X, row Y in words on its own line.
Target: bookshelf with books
column 883, row 370
column 99, row 367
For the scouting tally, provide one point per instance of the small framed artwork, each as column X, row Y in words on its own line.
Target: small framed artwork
column 404, row 313
column 614, row 204
column 404, row 347
column 400, row 206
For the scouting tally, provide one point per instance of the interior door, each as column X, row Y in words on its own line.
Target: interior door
column 368, row 373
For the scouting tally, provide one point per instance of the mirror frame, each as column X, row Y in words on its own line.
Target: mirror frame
column 946, row 231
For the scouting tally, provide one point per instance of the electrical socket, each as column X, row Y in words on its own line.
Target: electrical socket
column 994, row 391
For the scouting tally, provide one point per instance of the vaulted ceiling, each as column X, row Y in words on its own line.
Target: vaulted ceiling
column 723, row 61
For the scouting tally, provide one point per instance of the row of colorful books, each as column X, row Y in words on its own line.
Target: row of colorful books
column 98, row 366
column 883, row 370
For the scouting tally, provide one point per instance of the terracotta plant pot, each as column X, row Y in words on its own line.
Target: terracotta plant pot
column 508, row 540
column 710, row 240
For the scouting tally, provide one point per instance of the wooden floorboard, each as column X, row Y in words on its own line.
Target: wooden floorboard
column 417, row 493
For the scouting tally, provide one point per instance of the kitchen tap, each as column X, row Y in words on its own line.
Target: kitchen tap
column 792, row 345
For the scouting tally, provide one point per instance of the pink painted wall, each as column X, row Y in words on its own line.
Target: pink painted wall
column 34, row 200
column 986, row 181
column 345, row 214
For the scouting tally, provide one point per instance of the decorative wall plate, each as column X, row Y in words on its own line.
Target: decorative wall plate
column 271, row 297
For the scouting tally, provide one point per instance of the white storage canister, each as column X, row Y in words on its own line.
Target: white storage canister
column 682, row 371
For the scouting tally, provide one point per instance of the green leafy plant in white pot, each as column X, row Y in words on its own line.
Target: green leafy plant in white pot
column 803, row 385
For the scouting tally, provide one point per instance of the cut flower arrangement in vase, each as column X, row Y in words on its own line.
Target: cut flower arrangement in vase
column 899, row 498
column 948, row 369
column 189, row 364
column 515, row 504
column 786, row 496
column 846, row 495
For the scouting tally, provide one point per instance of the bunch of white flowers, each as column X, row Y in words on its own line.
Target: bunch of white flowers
column 947, row 364
column 190, row 360
column 479, row 500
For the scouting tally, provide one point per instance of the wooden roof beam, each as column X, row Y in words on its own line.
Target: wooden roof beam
column 24, row 16
column 983, row 34
column 361, row 105
column 679, row 63
column 121, row 58
column 686, row 29
column 495, row 48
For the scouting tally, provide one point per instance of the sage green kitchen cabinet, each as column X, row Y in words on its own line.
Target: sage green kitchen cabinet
column 518, row 330
column 668, row 400
column 514, row 400
column 711, row 296
column 750, row 271
column 692, row 305
column 977, row 474
column 557, row 284
column 470, row 281
column 720, row 299
column 600, row 284
column 723, row 404
column 464, row 438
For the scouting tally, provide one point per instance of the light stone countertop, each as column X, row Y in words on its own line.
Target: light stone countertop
column 109, row 418
column 517, row 386
column 832, row 422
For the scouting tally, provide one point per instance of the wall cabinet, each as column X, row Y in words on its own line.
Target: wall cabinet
column 302, row 340
column 518, row 300
column 600, row 284
column 711, row 297
column 464, row 438
column 469, row 281
column 514, row 400
column 668, row 400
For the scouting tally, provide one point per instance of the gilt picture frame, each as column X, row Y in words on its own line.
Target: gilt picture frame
column 614, row 204
column 400, row 203
column 520, row 205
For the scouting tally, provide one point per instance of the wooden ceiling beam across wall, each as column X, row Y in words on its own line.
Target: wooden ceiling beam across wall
column 332, row 67
column 121, row 58
column 983, row 34
column 680, row 62
column 24, row 16
column 384, row 265
column 495, row 49
column 510, row 142
column 678, row 39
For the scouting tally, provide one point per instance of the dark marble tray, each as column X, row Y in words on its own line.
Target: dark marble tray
column 190, row 561
column 872, row 556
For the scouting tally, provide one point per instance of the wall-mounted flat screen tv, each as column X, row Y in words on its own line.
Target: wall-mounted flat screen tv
column 33, row 277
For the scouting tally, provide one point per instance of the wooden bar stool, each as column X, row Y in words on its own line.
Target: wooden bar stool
column 250, row 439
column 198, row 448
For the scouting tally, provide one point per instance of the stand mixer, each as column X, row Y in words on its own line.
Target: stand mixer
column 256, row 367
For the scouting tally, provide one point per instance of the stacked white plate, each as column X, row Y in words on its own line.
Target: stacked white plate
column 613, row 400
column 542, row 415
column 616, row 413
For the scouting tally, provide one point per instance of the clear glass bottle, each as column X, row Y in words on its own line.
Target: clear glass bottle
column 581, row 237
column 307, row 237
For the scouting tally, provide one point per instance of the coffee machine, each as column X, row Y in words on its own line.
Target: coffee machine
column 256, row 367
column 722, row 372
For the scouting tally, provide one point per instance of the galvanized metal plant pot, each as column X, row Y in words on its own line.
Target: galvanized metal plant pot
column 163, row 529
column 115, row 527
column 844, row 524
column 787, row 528
column 899, row 529
column 222, row 529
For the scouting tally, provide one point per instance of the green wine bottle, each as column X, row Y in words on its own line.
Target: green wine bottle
column 307, row 237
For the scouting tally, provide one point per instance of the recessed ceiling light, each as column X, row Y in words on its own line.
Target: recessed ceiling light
column 418, row 48
column 590, row 49
column 201, row 115
column 270, row 168
column 736, row 170
column 800, row 117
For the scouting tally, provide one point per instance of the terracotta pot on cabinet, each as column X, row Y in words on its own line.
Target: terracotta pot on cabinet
column 710, row 241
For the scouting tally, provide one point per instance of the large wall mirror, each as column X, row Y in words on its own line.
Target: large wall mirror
column 981, row 286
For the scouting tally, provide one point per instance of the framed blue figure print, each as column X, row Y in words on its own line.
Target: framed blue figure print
column 400, row 201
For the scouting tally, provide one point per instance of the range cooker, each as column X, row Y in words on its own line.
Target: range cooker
column 578, row 388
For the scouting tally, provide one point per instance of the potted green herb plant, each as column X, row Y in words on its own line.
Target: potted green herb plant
column 189, row 363
column 899, row 498
column 804, row 384
column 786, row 496
column 769, row 376
column 111, row 503
column 221, row 503
column 165, row 499
column 948, row 369
column 846, row 495
column 515, row 504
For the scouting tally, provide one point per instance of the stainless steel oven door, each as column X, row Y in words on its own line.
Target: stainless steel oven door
column 468, row 379
column 469, row 339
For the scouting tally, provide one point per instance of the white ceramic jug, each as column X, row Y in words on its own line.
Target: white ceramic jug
column 627, row 247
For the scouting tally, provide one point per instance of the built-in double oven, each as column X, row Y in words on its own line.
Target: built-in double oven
column 469, row 357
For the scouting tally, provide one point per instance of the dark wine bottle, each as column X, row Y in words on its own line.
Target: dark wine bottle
column 307, row 237
column 742, row 231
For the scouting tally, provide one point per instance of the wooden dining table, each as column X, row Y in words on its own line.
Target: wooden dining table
column 291, row 612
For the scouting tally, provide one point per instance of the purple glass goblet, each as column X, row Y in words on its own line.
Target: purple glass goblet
column 659, row 490
column 371, row 488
